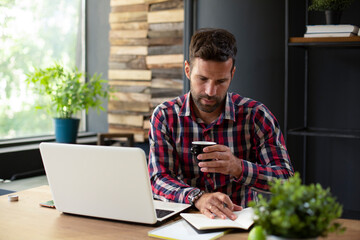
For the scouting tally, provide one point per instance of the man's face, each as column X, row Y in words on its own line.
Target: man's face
column 209, row 82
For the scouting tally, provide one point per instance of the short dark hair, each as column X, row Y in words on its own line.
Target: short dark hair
column 212, row 44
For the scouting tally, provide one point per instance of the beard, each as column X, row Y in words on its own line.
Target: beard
column 206, row 107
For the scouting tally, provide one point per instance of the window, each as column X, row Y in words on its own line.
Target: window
column 35, row 34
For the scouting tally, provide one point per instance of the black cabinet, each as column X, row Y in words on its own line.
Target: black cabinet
column 322, row 105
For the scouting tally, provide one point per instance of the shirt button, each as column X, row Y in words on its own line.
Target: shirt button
column 208, row 175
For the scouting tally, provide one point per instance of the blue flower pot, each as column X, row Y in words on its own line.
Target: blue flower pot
column 66, row 129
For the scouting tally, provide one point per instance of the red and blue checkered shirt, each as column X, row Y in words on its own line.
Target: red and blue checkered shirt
column 246, row 126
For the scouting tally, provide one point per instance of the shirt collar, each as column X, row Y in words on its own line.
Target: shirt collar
column 229, row 111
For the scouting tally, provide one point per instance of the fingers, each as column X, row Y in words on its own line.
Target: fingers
column 228, row 203
column 214, row 155
column 237, row 208
column 225, row 163
column 208, row 213
column 216, row 152
column 216, row 148
column 217, row 204
column 214, row 167
column 221, row 211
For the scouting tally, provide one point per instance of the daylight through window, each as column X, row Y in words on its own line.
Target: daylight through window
column 35, row 34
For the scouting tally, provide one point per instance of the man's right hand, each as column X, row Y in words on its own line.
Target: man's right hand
column 217, row 203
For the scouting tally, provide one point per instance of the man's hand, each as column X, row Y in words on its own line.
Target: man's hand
column 217, row 203
column 225, row 162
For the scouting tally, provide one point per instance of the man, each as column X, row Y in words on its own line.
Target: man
column 250, row 148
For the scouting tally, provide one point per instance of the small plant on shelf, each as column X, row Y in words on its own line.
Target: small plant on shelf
column 335, row 5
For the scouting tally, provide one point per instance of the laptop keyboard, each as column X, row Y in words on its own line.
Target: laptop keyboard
column 160, row 213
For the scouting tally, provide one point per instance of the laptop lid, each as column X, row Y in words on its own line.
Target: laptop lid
column 101, row 181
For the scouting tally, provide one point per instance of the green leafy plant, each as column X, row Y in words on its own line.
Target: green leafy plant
column 297, row 211
column 66, row 92
column 323, row 5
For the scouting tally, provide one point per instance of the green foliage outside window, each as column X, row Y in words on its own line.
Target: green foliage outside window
column 33, row 33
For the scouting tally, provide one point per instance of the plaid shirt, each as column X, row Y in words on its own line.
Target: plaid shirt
column 247, row 127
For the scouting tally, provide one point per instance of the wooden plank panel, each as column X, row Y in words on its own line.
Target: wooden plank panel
column 117, row 106
column 129, row 120
column 130, row 8
column 165, row 92
column 129, row 41
column 173, row 4
column 176, row 15
column 132, row 32
column 166, row 26
column 132, row 89
column 128, row 17
column 165, row 61
column 166, row 34
column 165, row 41
column 155, row 1
column 146, row 124
column 165, row 50
column 173, row 73
column 114, row 3
column 129, row 83
column 122, row 58
column 129, row 50
column 129, row 74
column 164, row 65
column 130, row 97
column 167, row 83
column 137, row 63
column 130, row 26
column 128, row 33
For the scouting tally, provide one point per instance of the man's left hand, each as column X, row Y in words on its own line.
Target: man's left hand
column 223, row 161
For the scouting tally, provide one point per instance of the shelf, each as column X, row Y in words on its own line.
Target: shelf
column 325, row 42
column 320, row 132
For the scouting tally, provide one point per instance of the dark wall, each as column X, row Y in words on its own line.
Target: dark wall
column 97, row 49
column 259, row 29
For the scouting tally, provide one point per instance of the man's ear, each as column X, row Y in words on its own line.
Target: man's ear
column 233, row 72
column 187, row 69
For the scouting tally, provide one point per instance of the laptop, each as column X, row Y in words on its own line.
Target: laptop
column 103, row 182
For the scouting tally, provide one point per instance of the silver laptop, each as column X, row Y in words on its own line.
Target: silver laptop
column 105, row 182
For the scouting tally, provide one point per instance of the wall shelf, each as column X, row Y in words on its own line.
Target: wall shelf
column 324, row 42
column 322, row 132
column 321, row 112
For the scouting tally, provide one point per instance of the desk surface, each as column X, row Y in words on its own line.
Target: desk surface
column 25, row 219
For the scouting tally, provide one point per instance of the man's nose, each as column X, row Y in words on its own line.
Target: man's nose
column 210, row 89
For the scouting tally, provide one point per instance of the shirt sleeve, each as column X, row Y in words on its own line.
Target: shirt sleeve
column 164, row 162
column 270, row 159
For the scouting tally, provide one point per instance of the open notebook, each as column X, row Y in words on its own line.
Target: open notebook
column 105, row 182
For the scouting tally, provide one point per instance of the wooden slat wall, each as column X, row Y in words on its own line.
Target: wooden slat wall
column 146, row 61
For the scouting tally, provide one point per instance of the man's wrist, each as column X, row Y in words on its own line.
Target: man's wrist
column 194, row 196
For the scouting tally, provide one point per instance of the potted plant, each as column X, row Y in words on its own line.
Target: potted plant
column 66, row 94
column 332, row 8
column 296, row 211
